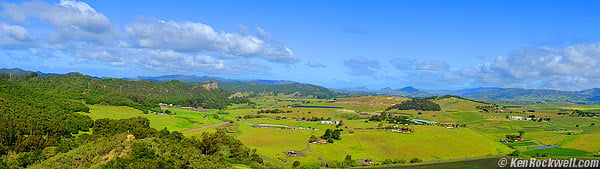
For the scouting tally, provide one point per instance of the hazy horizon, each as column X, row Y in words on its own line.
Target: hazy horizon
column 336, row 44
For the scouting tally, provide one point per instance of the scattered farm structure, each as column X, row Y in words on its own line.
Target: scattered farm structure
column 329, row 122
column 400, row 130
column 301, row 128
column 519, row 118
column 320, row 141
column 420, row 121
column 294, row 153
column 366, row 162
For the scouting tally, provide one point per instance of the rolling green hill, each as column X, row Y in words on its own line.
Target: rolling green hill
column 43, row 124
column 140, row 94
column 256, row 86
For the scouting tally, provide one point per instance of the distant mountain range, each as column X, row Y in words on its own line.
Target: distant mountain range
column 404, row 92
column 495, row 94
column 486, row 94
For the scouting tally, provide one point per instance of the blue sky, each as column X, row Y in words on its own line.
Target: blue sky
column 337, row 44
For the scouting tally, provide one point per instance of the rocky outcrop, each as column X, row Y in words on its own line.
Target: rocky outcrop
column 210, row 86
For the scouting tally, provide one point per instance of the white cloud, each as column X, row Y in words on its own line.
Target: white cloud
column 70, row 20
column 572, row 67
column 13, row 36
column 186, row 36
column 362, row 66
column 76, row 30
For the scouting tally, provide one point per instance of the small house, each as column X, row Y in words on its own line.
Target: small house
column 420, row 121
column 516, row 118
column 329, row 122
column 366, row 162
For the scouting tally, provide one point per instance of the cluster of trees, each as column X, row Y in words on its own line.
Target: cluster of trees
column 417, row 104
column 511, row 137
column 579, row 113
column 315, row 118
column 299, row 89
column 39, row 121
column 331, row 135
column 387, row 117
column 273, row 111
column 348, row 162
column 148, row 149
column 141, row 94
column 31, row 121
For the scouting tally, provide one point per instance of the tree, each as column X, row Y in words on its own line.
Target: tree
column 415, row 160
column 313, row 138
column 327, row 134
column 515, row 153
column 348, row 158
column 296, row 164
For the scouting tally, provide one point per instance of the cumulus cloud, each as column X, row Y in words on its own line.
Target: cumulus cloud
column 315, row 64
column 70, row 20
column 13, row 36
column 571, row 67
column 186, row 36
column 362, row 66
column 77, row 30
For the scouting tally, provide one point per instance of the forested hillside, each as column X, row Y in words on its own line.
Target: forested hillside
column 39, row 126
column 286, row 88
column 142, row 94
column 255, row 86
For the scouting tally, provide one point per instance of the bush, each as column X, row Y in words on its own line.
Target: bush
column 416, row 160
column 515, row 153
column 296, row 164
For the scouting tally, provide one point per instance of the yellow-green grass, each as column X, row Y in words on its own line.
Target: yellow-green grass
column 456, row 104
column 298, row 113
column 360, row 123
column 586, row 142
column 288, row 122
column 368, row 103
column 572, row 122
column 183, row 120
column 465, row 117
column 557, row 139
column 427, row 142
column 271, row 143
column 556, row 152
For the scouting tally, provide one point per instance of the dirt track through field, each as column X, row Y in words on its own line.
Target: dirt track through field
column 209, row 126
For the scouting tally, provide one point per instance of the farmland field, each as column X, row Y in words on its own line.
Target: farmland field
column 364, row 139
column 182, row 120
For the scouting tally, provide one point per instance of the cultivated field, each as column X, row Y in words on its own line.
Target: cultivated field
column 479, row 136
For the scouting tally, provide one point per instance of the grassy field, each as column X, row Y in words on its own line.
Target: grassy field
column 183, row 120
column 427, row 142
column 556, row 152
column 271, row 143
column 484, row 163
column 481, row 136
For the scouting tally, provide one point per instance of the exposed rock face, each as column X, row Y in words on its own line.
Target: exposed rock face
column 210, row 86
column 236, row 95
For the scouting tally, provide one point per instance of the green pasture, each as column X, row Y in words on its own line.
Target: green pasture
column 183, row 120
